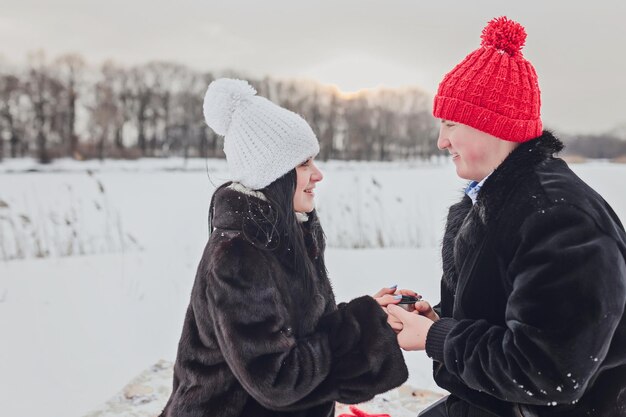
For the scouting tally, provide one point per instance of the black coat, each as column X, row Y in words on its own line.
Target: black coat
column 256, row 342
column 533, row 295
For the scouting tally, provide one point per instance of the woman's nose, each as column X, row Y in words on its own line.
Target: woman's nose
column 317, row 174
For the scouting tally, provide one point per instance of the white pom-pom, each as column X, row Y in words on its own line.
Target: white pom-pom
column 222, row 99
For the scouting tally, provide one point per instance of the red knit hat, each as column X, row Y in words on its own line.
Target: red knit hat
column 494, row 89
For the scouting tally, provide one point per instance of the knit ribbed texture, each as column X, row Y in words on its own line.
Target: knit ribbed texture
column 436, row 337
column 494, row 89
column 262, row 141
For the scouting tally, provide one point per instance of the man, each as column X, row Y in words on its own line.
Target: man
column 531, row 318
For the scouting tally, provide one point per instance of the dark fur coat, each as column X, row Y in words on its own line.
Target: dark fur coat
column 257, row 342
column 533, row 295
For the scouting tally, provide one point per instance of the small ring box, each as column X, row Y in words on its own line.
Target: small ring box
column 409, row 299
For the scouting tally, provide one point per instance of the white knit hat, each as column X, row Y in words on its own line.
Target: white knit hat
column 262, row 141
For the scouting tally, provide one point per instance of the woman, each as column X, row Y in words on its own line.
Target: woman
column 263, row 335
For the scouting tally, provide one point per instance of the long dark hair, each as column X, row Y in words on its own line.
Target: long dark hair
column 305, row 241
column 277, row 229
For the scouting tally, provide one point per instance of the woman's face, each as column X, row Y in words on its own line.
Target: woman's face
column 308, row 174
column 475, row 153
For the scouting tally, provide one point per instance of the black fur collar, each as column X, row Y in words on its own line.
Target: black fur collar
column 243, row 212
column 516, row 168
column 237, row 211
column 466, row 223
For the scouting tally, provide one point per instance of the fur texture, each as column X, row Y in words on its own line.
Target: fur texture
column 255, row 343
column 533, row 295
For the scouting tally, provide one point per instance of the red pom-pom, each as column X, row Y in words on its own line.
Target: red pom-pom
column 505, row 35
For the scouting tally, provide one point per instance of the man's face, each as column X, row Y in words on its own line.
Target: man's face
column 475, row 154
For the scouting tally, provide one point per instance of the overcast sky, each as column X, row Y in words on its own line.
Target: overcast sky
column 577, row 47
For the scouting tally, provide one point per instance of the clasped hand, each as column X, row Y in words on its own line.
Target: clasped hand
column 411, row 325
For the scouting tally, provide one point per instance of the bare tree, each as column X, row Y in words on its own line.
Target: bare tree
column 120, row 80
column 10, row 92
column 140, row 93
column 169, row 81
column 44, row 92
column 357, row 115
column 155, row 109
column 104, row 116
column 70, row 69
column 187, row 118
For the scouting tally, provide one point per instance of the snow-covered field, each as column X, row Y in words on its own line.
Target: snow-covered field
column 80, row 322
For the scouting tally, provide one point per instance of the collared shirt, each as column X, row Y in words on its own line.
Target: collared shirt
column 473, row 188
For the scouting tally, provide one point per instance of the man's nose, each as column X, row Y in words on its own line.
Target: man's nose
column 442, row 141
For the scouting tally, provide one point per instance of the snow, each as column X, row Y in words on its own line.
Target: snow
column 76, row 329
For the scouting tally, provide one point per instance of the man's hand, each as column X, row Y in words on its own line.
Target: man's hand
column 424, row 308
column 414, row 328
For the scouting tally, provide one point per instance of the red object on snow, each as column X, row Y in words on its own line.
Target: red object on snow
column 360, row 413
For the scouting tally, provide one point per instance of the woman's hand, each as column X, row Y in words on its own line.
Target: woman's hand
column 385, row 296
column 391, row 295
column 393, row 322
column 415, row 327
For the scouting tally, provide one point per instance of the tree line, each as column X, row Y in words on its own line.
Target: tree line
column 62, row 107
column 608, row 145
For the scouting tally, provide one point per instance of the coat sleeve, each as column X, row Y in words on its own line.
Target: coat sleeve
column 568, row 298
column 352, row 356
